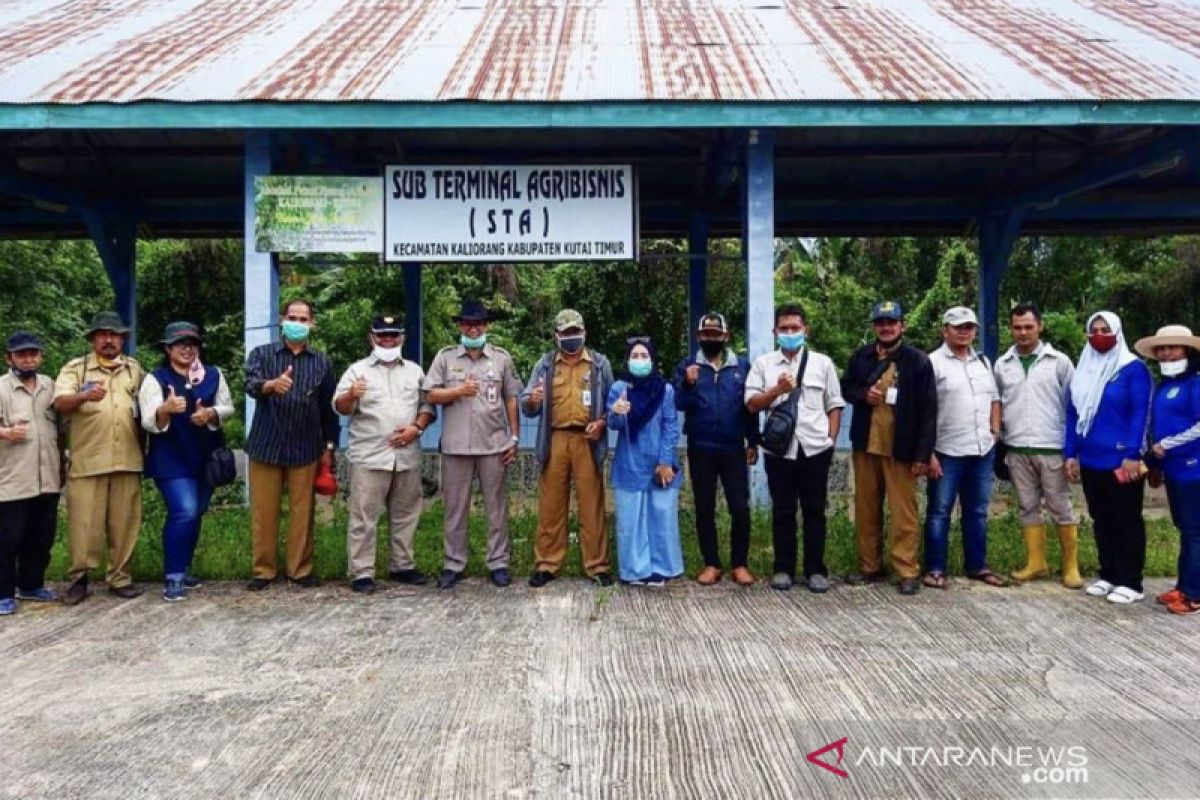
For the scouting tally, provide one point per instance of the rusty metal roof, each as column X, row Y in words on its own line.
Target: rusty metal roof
column 121, row 51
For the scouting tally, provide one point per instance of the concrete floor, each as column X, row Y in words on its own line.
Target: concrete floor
column 576, row 692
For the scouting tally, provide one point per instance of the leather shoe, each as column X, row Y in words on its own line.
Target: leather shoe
column 362, row 586
column 909, row 586
column 448, row 578
column 126, row 592
column 411, row 577
column 862, row 578
column 742, row 576
column 708, row 576
column 500, row 577
column 258, row 584
column 603, row 578
column 76, row 593
column 540, row 578
column 307, row 582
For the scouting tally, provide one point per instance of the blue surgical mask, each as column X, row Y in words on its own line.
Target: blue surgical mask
column 571, row 344
column 294, row 331
column 640, row 368
column 26, row 374
column 473, row 342
column 790, row 341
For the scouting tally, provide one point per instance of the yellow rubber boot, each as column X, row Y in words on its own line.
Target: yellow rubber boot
column 1068, row 537
column 1035, row 554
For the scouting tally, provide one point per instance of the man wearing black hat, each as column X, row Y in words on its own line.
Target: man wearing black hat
column 30, row 474
column 722, row 438
column 382, row 395
column 97, row 393
column 476, row 384
column 893, row 390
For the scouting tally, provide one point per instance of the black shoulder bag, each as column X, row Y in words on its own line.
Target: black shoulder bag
column 780, row 427
column 220, row 468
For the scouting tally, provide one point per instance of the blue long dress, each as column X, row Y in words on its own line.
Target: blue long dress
column 647, row 514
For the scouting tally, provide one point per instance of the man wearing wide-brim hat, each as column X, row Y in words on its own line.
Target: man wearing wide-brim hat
column 1175, row 451
column 476, row 384
column 97, row 393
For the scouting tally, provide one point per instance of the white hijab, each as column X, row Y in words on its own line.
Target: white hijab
column 1095, row 370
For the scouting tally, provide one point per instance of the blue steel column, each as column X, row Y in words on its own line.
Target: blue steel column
column 413, row 322
column 759, row 249
column 997, row 234
column 261, row 271
column 697, row 274
column 116, row 243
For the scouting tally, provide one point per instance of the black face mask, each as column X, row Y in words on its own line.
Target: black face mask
column 24, row 374
column 711, row 349
column 571, row 344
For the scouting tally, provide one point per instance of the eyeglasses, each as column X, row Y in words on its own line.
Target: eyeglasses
column 632, row 340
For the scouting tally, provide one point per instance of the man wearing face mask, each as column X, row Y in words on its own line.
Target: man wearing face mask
column 477, row 386
column 893, row 390
column 382, row 395
column 722, row 440
column 98, row 395
column 568, row 392
column 294, row 429
column 30, row 476
column 801, row 475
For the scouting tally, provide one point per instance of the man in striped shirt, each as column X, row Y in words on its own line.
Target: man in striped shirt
column 294, row 429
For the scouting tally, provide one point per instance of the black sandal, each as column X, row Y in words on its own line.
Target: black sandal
column 988, row 577
column 935, row 580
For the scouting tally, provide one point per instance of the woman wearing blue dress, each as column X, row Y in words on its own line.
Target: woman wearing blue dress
column 645, row 472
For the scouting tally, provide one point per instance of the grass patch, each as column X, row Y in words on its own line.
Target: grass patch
column 224, row 551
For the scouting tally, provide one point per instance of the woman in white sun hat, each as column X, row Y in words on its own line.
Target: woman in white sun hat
column 1175, row 451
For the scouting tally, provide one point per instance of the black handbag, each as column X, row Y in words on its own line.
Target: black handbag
column 780, row 427
column 220, row 469
column 999, row 465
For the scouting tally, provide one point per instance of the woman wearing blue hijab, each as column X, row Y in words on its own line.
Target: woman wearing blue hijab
column 645, row 473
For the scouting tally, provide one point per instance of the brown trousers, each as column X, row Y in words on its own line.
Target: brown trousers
column 267, row 483
column 99, row 507
column 874, row 477
column 570, row 462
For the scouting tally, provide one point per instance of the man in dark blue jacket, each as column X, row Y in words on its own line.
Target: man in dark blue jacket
column 722, row 440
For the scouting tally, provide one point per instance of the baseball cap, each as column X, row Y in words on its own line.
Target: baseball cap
column 713, row 321
column 23, row 340
column 888, row 309
column 568, row 318
column 959, row 315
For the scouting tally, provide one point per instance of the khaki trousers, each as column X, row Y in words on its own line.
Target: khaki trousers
column 1038, row 480
column 372, row 491
column 458, row 474
column 570, row 462
column 267, row 484
column 875, row 477
column 99, row 507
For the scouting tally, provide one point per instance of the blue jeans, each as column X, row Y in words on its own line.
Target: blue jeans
column 187, row 500
column 1185, row 513
column 969, row 480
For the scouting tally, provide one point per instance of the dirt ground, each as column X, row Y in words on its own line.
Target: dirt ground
column 573, row 691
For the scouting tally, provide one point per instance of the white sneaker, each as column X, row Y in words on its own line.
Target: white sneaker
column 1099, row 588
column 1123, row 595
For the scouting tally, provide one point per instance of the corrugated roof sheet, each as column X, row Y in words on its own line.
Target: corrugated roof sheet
column 83, row 51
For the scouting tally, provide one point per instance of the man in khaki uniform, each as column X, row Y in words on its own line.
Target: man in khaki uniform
column 30, row 474
column 477, row 385
column 98, row 395
column 382, row 396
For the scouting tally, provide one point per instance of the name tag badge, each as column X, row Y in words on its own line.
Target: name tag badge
column 493, row 394
column 587, row 398
column 890, row 397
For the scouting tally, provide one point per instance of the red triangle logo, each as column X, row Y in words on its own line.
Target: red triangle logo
column 815, row 757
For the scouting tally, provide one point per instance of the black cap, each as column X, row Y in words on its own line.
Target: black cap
column 387, row 323
column 23, row 340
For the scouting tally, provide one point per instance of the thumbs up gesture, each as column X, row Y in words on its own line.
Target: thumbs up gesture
column 174, row 404
column 538, row 393
column 622, row 405
column 203, row 416
column 282, row 384
column 358, row 388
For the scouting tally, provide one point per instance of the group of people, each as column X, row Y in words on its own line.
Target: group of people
column 950, row 416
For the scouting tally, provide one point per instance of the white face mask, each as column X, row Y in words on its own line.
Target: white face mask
column 387, row 354
column 1173, row 368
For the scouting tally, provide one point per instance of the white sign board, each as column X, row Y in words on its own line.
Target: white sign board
column 510, row 213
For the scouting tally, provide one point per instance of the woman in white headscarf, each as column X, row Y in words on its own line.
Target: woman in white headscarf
column 1108, row 405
